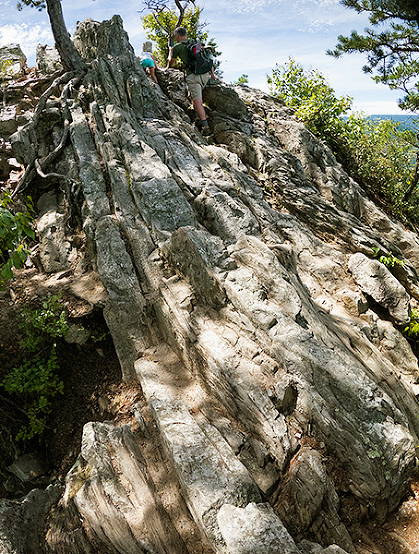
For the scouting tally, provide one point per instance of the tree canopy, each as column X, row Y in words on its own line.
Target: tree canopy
column 163, row 19
column 391, row 45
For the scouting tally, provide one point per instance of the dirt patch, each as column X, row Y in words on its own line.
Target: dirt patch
column 90, row 372
column 399, row 534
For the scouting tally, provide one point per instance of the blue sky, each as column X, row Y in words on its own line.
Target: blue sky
column 253, row 36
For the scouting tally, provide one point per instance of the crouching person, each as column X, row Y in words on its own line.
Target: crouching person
column 148, row 61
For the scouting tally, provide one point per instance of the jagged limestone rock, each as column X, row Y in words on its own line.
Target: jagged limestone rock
column 48, row 60
column 254, row 528
column 12, row 62
column 22, row 523
column 56, row 252
column 307, row 501
column 378, row 282
column 225, row 286
column 8, row 121
column 113, row 493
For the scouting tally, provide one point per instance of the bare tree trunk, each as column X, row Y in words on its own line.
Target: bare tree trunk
column 70, row 57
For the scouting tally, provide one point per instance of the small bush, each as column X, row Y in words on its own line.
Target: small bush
column 15, row 230
column 35, row 382
column 388, row 260
column 412, row 329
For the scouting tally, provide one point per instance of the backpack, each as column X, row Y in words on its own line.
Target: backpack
column 200, row 58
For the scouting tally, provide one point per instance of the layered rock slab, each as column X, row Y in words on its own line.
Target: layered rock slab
column 113, row 493
column 251, row 301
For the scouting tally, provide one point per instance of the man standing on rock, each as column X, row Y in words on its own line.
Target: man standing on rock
column 194, row 82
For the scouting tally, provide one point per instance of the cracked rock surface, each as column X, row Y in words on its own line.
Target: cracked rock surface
column 243, row 299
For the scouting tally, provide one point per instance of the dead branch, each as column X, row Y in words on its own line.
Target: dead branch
column 159, row 6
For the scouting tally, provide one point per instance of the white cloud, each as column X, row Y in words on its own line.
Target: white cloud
column 28, row 36
column 241, row 6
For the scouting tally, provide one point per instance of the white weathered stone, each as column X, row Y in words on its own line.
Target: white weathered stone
column 48, row 60
column 377, row 281
column 119, row 508
column 12, row 62
column 254, row 528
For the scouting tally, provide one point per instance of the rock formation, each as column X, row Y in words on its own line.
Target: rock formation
column 240, row 288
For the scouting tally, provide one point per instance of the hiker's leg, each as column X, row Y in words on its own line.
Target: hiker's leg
column 153, row 74
column 195, row 85
column 199, row 109
column 195, row 90
column 149, row 68
column 201, row 81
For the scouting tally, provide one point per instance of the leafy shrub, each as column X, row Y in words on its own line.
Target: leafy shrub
column 312, row 98
column 35, row 382
column 242, row 80
column 412, row 329
column 380, row 155
column 388, row 260
column 15, row 229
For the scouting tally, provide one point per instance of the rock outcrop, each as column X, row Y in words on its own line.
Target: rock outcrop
column 242, row 296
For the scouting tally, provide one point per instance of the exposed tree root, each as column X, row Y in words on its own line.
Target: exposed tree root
column 71, row 80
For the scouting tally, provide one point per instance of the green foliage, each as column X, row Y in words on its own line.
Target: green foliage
column 99, row 336
column 412, row 328
column 388, row 260
column 242, row 80
column 15, row 229
column 35, row 382
column 313, row 99
column 38, row 4
column 381, row 155
column 392, row 51
column 49, row 321
column 160, row 27
column 378, row 154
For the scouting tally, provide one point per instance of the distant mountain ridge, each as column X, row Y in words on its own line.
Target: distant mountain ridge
column 407, row 121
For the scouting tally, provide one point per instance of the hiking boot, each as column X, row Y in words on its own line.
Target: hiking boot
column 206, row 131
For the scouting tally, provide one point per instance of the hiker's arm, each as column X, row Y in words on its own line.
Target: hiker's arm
column 213, row 75
column 171, row 60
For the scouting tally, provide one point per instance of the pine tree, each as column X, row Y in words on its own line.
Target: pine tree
column 391, row 45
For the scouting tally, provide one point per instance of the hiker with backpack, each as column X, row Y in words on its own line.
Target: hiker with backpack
column 199, row 69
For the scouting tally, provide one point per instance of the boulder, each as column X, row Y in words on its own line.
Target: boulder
column 254, row 528
column 377, row 281
column 12, row 62
column 29, row 467
column 48, row 60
